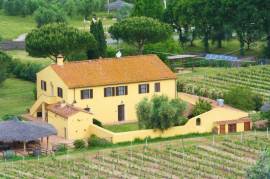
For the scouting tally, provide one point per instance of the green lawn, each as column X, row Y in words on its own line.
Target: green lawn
column 24, row 57
column 13, row 26
column 15, row 97
column 123, row 127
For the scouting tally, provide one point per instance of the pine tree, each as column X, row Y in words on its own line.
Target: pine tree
column 96, row 28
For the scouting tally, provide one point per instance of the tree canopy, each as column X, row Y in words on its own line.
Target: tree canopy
column 218, row 20
column 148, row 8
column 54, row 39
column 160, row 113
column 51, row 14
column 96, row 28
column 139, row 31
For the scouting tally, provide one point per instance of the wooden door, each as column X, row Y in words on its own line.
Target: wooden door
column 232, row 128
column 247, row 126
column 121, row 112
column 222, row 129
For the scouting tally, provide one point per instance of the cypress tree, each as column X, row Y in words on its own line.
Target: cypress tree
column 96, row 28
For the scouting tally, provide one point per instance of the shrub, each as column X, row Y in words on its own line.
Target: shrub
column 25, row 71
column 79, row 144
column 8, row 117
column 241, row 98
column 262, row 167
column 160, row 112
column 97, row 122
column 61, row 148
column 9, row 154
column 258, row 102
column 5, row 62
column 95, row 141
column 201, row 107
column 265, row 112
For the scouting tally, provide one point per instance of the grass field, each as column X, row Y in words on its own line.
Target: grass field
column 205, row 157
column 15, row 96
column 123, row 127
column 13, row 26
column 24, row 57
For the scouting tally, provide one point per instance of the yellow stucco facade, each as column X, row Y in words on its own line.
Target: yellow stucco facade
column 73, row 127
column 105, row 109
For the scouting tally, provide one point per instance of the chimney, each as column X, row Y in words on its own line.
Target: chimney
column 60, row 60
column 63, row 104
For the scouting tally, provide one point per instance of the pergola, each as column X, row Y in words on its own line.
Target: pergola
column 15, row 130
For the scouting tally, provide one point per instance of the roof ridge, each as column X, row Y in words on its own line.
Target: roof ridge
column 108, row 58
column 113, row 71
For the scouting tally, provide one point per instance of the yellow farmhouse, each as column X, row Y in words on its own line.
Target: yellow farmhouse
column 70, row 95
column 105, row 89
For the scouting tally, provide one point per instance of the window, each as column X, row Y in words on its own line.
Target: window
column 109, row 91
column 143, row 88
column 60, row 92
column 157, row 87
column 121, row 90
column 86, row 94
column 43, row 85
column 198, row 121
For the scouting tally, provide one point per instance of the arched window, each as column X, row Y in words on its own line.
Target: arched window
column 198, row 121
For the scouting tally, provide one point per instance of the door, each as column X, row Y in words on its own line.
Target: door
column 247, row 126
column 121, row 112
column 232, row 128
column 222, row 129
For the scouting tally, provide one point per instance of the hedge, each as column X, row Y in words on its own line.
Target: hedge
column 25, row 71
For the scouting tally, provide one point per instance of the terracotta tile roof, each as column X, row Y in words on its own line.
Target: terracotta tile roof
column 245, row 119
column 65, row 110
column 113, row 71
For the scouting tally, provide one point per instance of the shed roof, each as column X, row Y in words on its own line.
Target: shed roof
column 64, row 110
column 15, row 130
column 241, row 120
column 113, row 71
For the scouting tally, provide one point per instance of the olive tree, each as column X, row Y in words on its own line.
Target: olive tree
column 139, row 31
column 160, row 113
column 50, row 14
column 54, row 39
